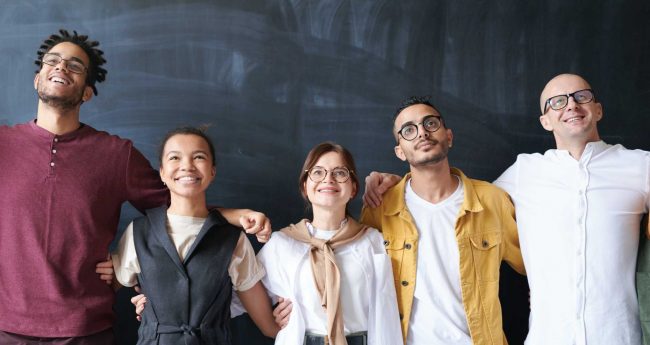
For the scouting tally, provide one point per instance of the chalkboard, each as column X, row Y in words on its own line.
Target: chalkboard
column 274, row 78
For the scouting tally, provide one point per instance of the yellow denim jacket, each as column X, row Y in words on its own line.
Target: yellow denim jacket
column 486, row 233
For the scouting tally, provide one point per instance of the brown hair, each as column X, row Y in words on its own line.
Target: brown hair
column 314, row 155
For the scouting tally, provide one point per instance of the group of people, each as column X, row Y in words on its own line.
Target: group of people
column 420, row 267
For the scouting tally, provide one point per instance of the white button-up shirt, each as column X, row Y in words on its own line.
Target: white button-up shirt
column 579, row 226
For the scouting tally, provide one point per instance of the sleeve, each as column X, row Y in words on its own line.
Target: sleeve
column 371, row 217
column 244, row 269
column 384, row 325
column 125, row 259
column 511, row 251
column 144, row 189
column 508, row 180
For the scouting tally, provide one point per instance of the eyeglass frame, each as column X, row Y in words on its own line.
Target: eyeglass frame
column 568, row 95
column 308, row 171
column 67, row 62
column 417, row 126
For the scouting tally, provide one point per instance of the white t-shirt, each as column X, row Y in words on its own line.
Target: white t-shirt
column 437, row 315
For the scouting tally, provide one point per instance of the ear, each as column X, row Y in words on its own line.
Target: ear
column 354, row 191
column 36, row 79
column 88, row 94
column 546, row 123
column 214, row 171
column 399, row 153
column 599, row 111
column 450, row 137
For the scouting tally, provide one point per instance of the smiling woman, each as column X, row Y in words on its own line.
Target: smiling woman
column 187, row 258
column 334, row 270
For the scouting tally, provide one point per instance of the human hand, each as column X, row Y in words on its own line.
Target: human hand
column 256, row 223
column 139, row 302
column 282, row 312
column 376, row 185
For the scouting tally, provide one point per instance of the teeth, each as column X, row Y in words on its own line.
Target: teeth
column 187, row 179
column 58, row 80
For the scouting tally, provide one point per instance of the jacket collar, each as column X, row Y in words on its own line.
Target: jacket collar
column 395, row 203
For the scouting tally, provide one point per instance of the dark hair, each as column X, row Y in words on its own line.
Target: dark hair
column 198, row 131
column 414, row 100
column 316, row 153
column 96, row 74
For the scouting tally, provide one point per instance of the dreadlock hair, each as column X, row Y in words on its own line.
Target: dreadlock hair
column 96, row 57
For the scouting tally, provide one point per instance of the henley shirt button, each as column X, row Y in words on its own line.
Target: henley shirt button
column 386, row 242
column 53, row 150
column 408, row 246
column 51, row 164
column 405, row 283
column 56, row 140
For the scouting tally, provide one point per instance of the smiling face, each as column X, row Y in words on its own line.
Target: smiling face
column 428, row 147
column 187, row 166
column 56, row 85
column 575, row 123
column 329, row 194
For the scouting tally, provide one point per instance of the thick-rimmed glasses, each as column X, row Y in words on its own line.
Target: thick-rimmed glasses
column 73, row 66
column 430, row 123
column 318, row 174
column 560, row 101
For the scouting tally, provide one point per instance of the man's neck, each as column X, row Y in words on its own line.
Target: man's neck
column 433, row 183
column 57, row 121
column 575, row 148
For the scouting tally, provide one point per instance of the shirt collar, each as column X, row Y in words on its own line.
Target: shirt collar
column 395, row 202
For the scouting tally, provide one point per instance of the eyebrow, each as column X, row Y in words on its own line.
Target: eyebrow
column 193, row 152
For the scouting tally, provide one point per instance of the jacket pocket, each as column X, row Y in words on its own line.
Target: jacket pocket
column 486, row 254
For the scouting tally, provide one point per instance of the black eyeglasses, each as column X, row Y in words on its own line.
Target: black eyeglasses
column 73, row 66
column 560, row 101
column 430, row 123
column 318, row 174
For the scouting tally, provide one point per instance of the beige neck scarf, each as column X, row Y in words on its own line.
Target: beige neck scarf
column 327, row 277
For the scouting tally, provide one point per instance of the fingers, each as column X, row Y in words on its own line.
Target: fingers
column 371, row 195
column 282, row 312
column 139, row 302
column 265, row 232
column 256, row 223
column 105, row 271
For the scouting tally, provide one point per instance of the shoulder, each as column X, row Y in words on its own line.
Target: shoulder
column 106, row 140
column 484, row 188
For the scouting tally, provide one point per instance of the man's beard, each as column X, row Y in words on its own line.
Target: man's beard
column 60, row 102
column 442, row 155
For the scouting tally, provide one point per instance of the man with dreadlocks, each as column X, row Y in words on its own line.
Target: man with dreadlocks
column 61, row 190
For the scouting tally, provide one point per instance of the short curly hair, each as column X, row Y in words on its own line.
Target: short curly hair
column 96, row 74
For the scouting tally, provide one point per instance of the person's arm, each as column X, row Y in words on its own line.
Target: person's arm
column 376, row 185
column 511, row 250
column 257, row 304
column 252, row 222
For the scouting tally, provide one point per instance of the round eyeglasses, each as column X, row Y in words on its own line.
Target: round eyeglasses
column 73, row 66
column 430, row 123
column 560, row 101
column 318, row 174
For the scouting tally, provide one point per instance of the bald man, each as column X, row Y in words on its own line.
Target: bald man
column 579, row 209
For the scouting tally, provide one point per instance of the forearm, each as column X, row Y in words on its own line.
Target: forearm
column 258, row 306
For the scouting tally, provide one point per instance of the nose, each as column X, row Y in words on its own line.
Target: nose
column 329, row 178
column 187, row 164
column 62, row 65
column 571, row 103
column 422, row 132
